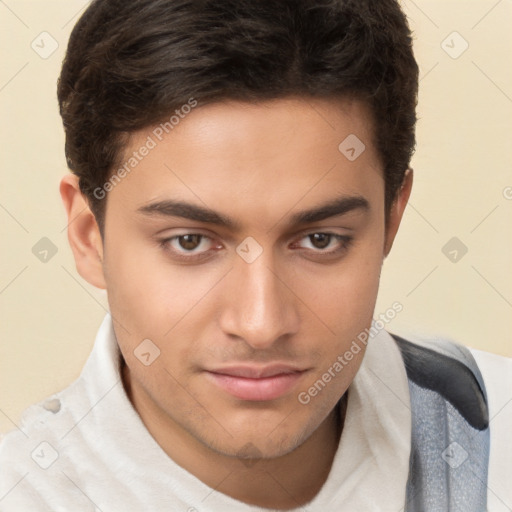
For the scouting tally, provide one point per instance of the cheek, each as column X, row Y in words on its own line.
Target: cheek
column 346, row 296
column 347, row 306
column 167, row 304
column 345, row 301
column 146, row 290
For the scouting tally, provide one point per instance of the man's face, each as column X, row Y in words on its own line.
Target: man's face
column 247, row 247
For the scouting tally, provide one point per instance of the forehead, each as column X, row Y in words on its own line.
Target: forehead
column 235, row 155
column 240, row 126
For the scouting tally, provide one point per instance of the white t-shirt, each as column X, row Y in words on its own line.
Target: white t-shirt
column 86, row 449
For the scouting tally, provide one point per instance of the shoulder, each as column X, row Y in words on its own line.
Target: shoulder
column 497, row 374
column 473, row 381
column 496, row 371
column 32, row 454
column 449, row 370
column 453, row 369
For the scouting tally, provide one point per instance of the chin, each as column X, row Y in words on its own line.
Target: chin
column 252, row 448
column 261, row 443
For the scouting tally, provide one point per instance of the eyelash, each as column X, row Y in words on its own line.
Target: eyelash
column 345, row 241
column 192, row 258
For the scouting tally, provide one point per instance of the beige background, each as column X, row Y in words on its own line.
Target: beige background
column 463, row 189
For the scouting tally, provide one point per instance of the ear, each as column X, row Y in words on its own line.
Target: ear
column 83, row 232
column 397, row 210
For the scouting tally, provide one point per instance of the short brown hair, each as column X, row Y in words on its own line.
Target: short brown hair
column 130, row 63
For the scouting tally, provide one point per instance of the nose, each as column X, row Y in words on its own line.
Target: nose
column 259, row 306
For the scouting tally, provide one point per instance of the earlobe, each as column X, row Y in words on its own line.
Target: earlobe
column 83, row 232
column 397, row 210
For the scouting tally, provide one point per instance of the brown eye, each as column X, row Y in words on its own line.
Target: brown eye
column 190, row 247
column 323, row 244
column 189, row 242
column 320, row 240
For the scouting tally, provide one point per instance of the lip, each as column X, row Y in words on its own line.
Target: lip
column 256, row 383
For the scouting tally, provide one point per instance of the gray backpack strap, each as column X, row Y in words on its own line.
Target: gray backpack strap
column 450, row 428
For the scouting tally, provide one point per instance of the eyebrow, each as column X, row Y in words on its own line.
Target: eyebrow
column 172, row 208
column 339, row 206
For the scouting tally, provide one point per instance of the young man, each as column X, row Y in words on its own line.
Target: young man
column 240, row 170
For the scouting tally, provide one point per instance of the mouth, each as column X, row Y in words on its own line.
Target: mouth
column 256, row 383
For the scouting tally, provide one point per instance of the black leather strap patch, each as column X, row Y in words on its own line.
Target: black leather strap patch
column 445, row 375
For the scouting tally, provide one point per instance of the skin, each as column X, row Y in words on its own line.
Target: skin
column 259, row 165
